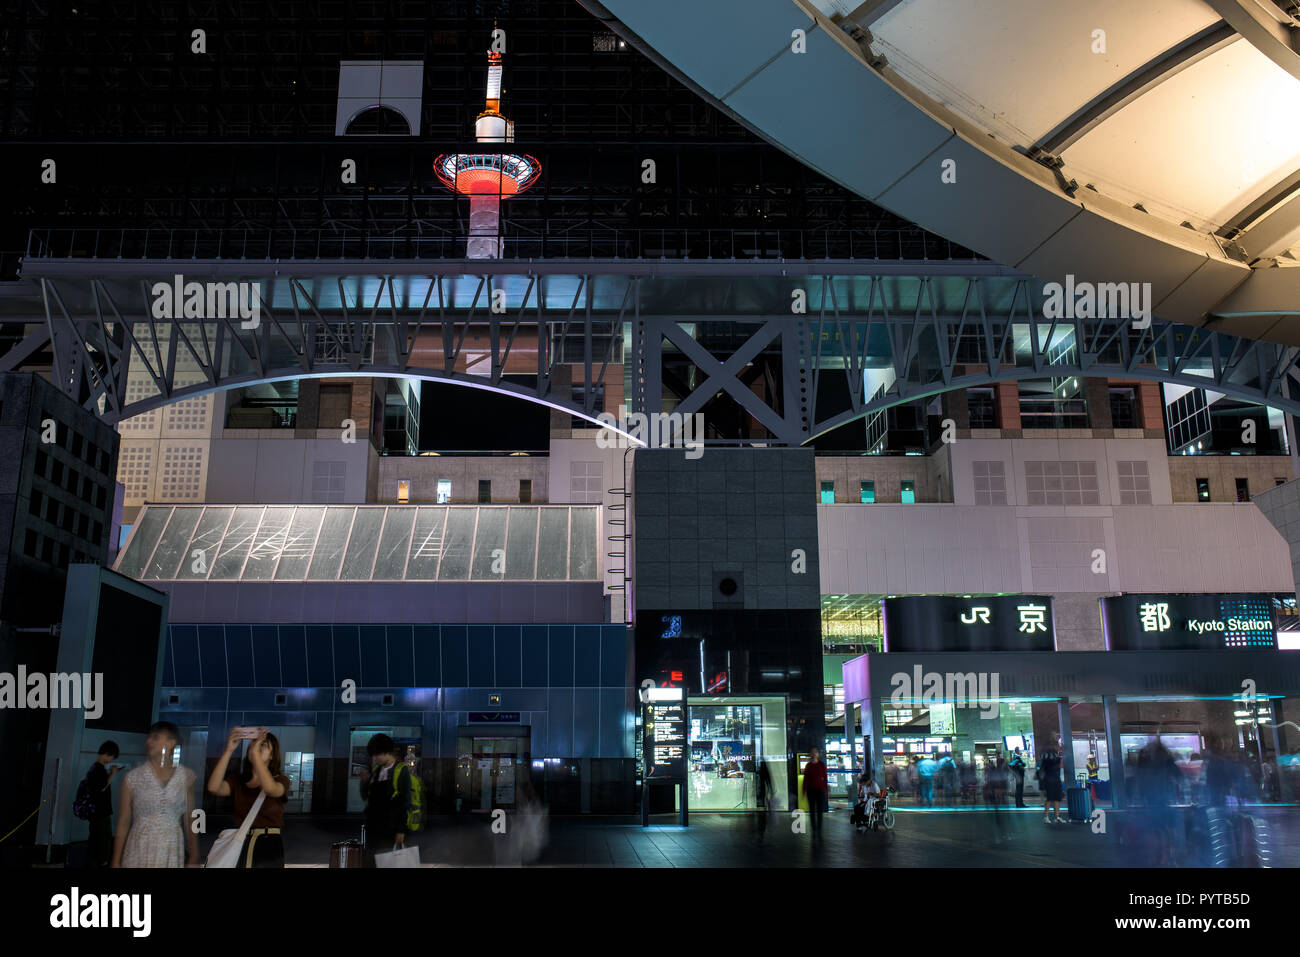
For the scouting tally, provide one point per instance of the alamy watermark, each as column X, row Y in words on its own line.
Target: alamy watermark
column 962, row 689
column 208, row 300
column 58, row 690
column 656, row 430
column 1103, row 300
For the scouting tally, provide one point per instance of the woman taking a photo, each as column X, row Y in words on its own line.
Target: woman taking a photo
column 157, row 801
column 261, row 774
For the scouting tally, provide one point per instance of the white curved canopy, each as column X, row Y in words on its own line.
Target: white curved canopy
column 1115, row 141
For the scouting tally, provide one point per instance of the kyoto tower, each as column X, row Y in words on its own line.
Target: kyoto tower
column 488, row 178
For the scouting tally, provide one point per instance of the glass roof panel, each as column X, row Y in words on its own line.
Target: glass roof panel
column 521, row 533
column 236, row 543
column 299, row 543
column 170, row 552
column 489, row 545
column 268, row 545
column 333, row 538
column 426, row 544
column 456, row 547
column 360, row 558
column 390, row 564
column 203, row 547
column 553, row 545
column 583, row 543
column 365, row 543
column 149, row 530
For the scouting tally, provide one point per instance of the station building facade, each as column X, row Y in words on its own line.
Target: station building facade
column 747, row 577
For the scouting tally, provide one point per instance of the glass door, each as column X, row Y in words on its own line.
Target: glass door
column 490, row 770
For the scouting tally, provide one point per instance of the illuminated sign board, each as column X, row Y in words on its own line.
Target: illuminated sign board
column 949, row 623
column 665, row 735
column 1188, row 622
column 943, row 719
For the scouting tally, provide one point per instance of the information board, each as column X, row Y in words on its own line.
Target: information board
column 664, row 717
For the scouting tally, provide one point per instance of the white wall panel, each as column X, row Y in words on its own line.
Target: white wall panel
column 890, row 549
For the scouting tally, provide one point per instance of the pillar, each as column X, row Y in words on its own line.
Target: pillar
column 871, row 731
column 1114, row 751
column 1006, row 405
column 1150, row 407
column 1067, row 740
column 1097, row 392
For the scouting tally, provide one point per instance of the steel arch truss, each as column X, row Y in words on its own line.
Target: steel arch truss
column 368, row 328
column 799, row 354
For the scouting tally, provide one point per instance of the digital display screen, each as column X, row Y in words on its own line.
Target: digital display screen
column 127, row 643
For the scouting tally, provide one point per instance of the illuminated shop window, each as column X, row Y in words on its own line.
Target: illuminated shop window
column 828, row 493
column 909, row 492
column 868, row 493
column 403, row 492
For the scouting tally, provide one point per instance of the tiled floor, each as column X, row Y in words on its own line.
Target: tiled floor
column 920, row 838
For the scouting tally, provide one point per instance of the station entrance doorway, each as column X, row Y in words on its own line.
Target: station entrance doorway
column 492, row 764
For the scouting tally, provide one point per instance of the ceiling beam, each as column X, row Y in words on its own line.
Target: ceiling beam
column 1249, row 215
column 1275, row 232
column 867, row 13
column 1271, row 31
column 1142, row 80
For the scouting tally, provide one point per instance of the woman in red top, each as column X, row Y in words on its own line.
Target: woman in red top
column 262, row 772
column 816, row 789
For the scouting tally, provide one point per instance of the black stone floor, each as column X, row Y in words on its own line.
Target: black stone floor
column 921, row 838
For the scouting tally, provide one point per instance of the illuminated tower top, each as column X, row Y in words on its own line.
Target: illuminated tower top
column 487, row 178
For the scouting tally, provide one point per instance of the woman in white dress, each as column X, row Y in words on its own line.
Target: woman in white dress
column 156, row 805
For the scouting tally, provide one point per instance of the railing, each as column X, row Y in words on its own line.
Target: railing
column 885, row 244
column 536, row 453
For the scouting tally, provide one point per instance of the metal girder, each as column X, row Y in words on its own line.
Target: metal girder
column 864, row 344
column 868, row 12
column 1271, row 31
column 1148, row 76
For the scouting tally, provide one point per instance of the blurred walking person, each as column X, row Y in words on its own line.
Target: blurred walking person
column 817, row 790
column 996, row 772
column 153, row 827
column 926, row 769
column 766, row 797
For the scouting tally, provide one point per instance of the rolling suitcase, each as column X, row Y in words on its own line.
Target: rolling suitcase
column 346, row 854
column 1078, row 802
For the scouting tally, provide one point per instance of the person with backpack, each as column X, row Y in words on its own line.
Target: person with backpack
column 261, row 775
column 387, row 790
column 94, row 805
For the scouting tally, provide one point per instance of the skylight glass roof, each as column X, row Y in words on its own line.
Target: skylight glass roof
column 364, row 543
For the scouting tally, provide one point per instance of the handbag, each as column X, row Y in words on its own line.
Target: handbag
column 83, row 805
column 226, row 848
column 399, row 857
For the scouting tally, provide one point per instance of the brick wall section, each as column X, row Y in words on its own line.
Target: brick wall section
column 1097, row 392
column 1006, row 402
column 1151, row 407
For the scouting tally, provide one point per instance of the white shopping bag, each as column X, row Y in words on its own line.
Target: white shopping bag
column 399, row 857
column 230, row 843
